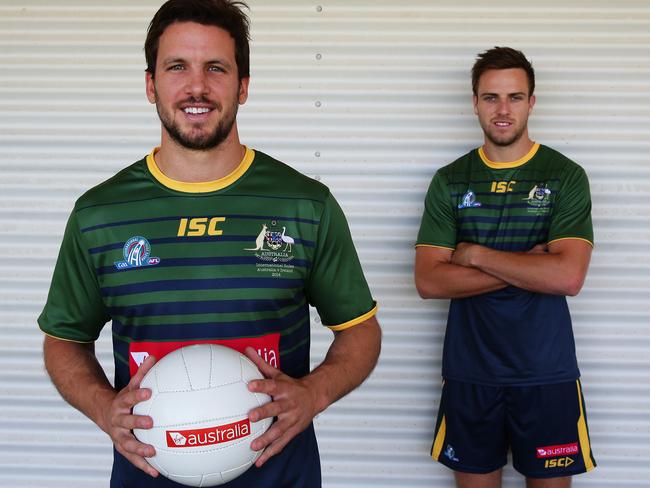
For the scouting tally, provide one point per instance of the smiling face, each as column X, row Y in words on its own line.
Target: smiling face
column 503, row 105
column 196, row 87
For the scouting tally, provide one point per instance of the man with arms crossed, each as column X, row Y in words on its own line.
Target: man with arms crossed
column 506, row 234
column 206, row 240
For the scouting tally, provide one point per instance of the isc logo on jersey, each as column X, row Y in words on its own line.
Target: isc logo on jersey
column 502, row 186
column 200, row 226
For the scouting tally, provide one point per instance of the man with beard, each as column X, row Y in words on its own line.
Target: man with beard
column 506, row 234
column 189, row 245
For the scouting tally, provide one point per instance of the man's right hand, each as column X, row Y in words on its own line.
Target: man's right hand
column 119, row 421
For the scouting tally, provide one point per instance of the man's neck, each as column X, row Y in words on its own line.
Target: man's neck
column 191, row 166
column 508, row 154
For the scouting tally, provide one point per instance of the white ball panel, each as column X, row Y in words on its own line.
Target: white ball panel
column 171, row 373
column 249, row 370
column 196, row 358
column 193, row 408
column 225, row 366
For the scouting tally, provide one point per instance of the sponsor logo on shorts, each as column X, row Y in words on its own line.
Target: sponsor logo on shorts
column 559, row 450
column 267, row 346
column 563, row 462
column 450, row 453
column 209, row 436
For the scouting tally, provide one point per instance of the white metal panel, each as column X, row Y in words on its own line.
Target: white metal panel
column 371, row 97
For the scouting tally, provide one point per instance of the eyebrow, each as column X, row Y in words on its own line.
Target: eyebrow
column 486, row 94
column 174, row 60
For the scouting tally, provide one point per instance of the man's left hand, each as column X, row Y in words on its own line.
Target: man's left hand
column 292, row 403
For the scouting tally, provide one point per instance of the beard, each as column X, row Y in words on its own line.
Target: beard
column 503, row 140
column 198, row 138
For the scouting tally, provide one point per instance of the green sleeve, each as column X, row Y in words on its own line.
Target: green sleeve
column 438, row 226
column 74, row 310
column 336, row 284
column 571, row 216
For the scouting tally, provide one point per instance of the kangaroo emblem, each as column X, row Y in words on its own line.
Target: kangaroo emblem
column 259, row 242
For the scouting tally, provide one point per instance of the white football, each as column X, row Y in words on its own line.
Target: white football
column 199, row 406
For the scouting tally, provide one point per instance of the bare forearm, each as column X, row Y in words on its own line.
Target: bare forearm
column 552, row 273
column 350, row 359
column 78, row 377
column 447, row 280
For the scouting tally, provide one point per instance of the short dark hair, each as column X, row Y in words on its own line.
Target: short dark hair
column 502, row 58
column 226, row 14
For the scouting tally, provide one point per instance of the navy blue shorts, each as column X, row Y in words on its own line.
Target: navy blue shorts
column 544, row 426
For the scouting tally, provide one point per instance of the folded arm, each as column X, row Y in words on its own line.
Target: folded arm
column 437, row 276
column 559, row 271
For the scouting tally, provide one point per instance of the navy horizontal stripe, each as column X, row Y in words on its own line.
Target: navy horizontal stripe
column 199, row 284
column 212, row 330
column 204, row 306
column 511, row 246
column 500, row 219
column 463, row 180
column 194, row 195
column 485, row 193
column 166, row 219
column 208, row 261
column 191, row 240
column 487, row 206
column 492, row 233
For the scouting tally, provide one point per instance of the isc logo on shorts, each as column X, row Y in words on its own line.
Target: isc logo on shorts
column 564, row 462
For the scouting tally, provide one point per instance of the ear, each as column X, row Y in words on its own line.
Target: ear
column 150, row 88
column 531, row 103
column 243, row 90
column 475, row 104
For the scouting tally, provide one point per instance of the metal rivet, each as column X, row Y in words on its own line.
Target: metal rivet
column 317, row 154
column 318, row 104
column 319, row 8
column 319, row 56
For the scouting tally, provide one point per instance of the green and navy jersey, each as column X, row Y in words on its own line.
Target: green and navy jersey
column 510, row 336
column 235, row 261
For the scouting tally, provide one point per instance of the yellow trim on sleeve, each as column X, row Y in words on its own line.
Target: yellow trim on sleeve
column 574, row 238
column 439, row 440
column 511, row 164
column 204, row 186
column 353, row 322
column 436, row 247
column 67, row 340
column 583, row 434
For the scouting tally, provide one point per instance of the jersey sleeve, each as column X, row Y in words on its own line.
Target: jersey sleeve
column 336, row 284
column 438, row 226
column 571, row 218
column 74, row 309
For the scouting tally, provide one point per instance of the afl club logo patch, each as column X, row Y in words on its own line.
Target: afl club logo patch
column 137, row 253
column 469, row 201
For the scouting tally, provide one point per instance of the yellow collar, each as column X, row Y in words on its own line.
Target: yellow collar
column 512, row 164
column 203, row 186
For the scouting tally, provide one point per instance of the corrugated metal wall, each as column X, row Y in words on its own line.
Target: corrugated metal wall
column 371, row 97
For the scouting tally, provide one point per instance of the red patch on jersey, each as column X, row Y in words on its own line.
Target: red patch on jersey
column 267, row 346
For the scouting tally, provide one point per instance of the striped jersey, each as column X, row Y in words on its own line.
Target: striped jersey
column 235, row 261
column 510, row 336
